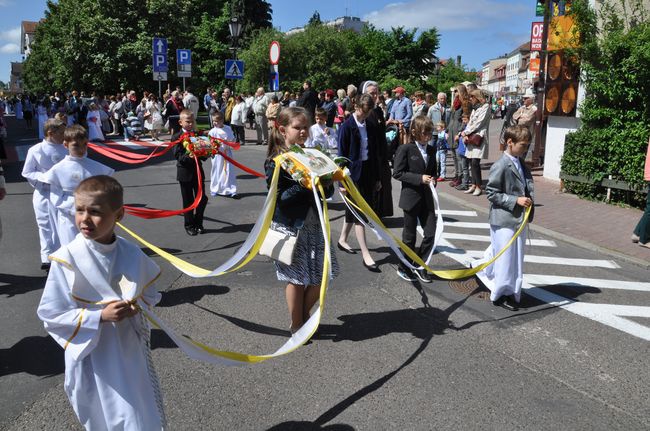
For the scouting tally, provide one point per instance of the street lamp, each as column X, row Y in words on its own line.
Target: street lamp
column 235, row 30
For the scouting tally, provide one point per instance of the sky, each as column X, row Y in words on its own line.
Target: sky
column 477, row 30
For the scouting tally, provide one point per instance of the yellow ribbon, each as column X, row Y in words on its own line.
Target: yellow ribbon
column 449, row 274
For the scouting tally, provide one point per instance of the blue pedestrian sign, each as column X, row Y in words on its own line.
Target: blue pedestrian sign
column 183, row 56
column 159, row 46
column 234, row 69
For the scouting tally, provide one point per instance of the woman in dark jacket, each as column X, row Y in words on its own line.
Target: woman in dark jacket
column 356, row 142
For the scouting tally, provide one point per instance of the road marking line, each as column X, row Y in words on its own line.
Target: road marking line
column 608, row 314
column 468, row 225
column 548, row 280
column 549, row 260
column 486, row 238
column 458, row 213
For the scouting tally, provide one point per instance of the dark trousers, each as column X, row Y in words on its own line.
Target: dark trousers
column 409, row 233
column 189, row 189
column 475, row 167
column 642, row 229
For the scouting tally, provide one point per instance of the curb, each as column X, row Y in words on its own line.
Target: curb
column 557, row 235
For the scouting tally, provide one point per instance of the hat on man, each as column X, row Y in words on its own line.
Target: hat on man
column 399, row 90
column 529, row 93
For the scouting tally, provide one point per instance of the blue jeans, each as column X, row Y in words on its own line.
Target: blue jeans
column 441, row 158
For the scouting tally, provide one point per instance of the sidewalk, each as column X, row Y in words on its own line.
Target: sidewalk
column 593, row 225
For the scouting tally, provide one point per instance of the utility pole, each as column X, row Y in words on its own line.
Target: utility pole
column 538, row 148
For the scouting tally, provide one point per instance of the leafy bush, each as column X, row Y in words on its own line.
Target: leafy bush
column 613, row 136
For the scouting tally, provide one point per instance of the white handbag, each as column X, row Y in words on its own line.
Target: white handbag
column 279, row 246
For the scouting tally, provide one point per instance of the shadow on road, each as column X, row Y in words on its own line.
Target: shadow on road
column 38, row 356
column 19, row 284
column 190, row 294
column 309, row 426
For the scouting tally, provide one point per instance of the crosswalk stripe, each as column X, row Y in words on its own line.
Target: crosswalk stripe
column 549, row 260
column 467, row 225
column 486, row 238
column 547, row 280
column 458, row 213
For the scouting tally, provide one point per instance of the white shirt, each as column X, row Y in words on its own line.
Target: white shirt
column 40, row 158
column 517, row 163
column 364, row 138
column 423, row 151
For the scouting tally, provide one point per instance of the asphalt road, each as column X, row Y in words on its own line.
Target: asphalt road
column 391, row 354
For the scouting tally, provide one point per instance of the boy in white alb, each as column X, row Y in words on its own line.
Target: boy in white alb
column 65, row 176
column 88, row 308
column 321, row 135
column 223, row 180
column 40, row 159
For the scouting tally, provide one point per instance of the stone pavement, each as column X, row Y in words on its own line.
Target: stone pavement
column 593, row 225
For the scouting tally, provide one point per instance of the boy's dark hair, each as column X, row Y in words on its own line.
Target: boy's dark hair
column 517, row 133
column 421, row 125
column 75, row 133
column 107, row 186
column 320, row 112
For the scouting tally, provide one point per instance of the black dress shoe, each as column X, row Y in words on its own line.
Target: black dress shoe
column 191, row 231
column 347, row 250
column 507, row 303
column 200, row 230
column 46, row 266
column 235, row 197
column 371, row 268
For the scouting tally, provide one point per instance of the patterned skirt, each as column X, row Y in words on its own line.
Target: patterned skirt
column 307, row 264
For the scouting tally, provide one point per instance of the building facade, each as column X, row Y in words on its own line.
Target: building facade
column 342, row 23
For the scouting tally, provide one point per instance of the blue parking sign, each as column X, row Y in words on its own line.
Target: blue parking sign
column 183, row 56
column 159, row 46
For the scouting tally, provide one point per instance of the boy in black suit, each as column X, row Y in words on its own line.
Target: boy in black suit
column 187, row 177
column 415, row 166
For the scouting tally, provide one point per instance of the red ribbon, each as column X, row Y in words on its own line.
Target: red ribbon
column 150, row 213
column 240, row 166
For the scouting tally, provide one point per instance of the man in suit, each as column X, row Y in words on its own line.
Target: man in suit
column 189, row 178
column 415, row 166
column 308, row 100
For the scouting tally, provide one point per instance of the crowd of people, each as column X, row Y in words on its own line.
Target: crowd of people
column 383, row 136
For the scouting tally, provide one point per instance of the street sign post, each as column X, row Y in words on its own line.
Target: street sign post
column 274, row 58
column 234, row 69
column 184, row 64
column 274, row 78
column 160, row 64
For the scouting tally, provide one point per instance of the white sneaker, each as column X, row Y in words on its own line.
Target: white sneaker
column 477, row 192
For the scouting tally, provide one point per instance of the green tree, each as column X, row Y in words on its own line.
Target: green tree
column 106, row 46
column 615, row 116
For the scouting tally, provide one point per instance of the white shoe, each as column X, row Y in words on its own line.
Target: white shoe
column 470, row 190
column 635, row 238
column 477, row 192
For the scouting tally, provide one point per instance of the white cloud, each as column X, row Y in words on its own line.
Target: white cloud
column 5, row 3
column 464, row 14
column 10, row 48
column 11, row 35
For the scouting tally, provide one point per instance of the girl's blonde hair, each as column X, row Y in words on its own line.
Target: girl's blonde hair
column 277, row 145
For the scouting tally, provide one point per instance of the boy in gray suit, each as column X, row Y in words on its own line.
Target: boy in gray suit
column 510, row 192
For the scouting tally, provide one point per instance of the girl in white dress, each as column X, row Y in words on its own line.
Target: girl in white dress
column 42, row 115
column 94, row 123
column 223, row 180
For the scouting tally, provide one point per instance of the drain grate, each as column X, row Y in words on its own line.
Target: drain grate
column 470, row 287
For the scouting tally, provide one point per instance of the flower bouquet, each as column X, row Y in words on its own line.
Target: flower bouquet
column 303, row 163
column 199, row 146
